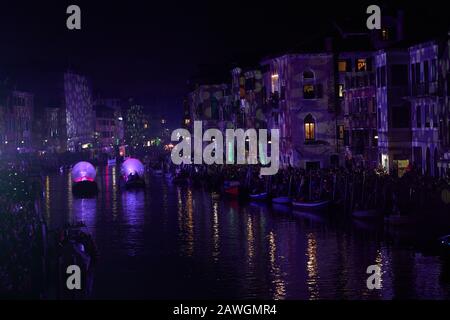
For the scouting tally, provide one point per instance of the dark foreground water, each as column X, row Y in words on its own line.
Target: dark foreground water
column 170, row 242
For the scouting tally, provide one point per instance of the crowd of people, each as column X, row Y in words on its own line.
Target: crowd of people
column 21, row 238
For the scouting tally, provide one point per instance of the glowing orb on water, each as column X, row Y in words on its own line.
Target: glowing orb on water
column 132, row 166
column 83, row 171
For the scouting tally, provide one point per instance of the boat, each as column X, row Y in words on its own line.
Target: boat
column 400, row 220
column 282, row 200
column 231, row 187
column 366, row 214
column 83, row 180
column 311, row 205
column 263, row 196
column 132, row 171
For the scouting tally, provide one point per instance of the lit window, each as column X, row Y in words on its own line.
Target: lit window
column 187, row 121
column 308, row 91
column 362, row 65
column 309, row 128
column 275, row 83
column 341, row 91
column 163, row 121
column 342, row 66
column 385, row 34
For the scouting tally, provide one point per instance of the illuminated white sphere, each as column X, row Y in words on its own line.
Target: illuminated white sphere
column 83, row 171
column 132, row 166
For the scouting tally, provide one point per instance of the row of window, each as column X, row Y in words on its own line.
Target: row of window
column 429, row 115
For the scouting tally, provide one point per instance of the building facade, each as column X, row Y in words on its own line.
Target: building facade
column 18, row 118
column 80, row 117
column 303, row 89
column 393, row 109
column 425, row 106
column 358, row 90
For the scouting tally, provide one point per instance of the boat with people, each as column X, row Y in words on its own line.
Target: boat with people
column 132, row 171
column 83, row 180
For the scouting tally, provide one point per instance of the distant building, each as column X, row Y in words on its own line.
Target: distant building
column 105, row 128
column 303, row 87
column 18, row 117
column 248, row 95
column 393, row 110
column 210, row 103
column 444, row 115
column 80, row 117
column 135, row 126
column 118, row 108
column 54, row 133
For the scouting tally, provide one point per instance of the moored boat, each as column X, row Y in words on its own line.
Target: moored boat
column 366, row 214
column 282, row 200
column 263, row 196
column 311, row 205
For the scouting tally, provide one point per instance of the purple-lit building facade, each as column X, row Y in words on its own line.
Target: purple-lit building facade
column 425, row 106
column 213, row 105
column 80, row 117
column 357, row 89
column 444, row 116
column 18, row 121
column 301, row 88
column 248, row 97
column 393, row 109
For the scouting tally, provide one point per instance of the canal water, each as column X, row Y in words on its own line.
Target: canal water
column 170, row 242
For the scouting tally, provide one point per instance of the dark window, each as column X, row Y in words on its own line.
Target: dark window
column 426, row 73
column 399, row 74
column 418, row 73
column 401, row 117
column 308, row 75
column 383, row 76
column 418, row 117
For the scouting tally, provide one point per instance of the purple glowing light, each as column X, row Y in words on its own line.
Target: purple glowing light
column 83, row 171
column 132, row 166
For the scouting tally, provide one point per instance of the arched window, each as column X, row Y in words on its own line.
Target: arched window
column 308, row 75
column 310, row 128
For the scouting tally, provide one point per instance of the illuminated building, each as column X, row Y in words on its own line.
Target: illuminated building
column 19, row 120
column 105, row 128
column 79, row 113
column 426, row 109
column 300, row 91
column 356, row 92
column 393, row 111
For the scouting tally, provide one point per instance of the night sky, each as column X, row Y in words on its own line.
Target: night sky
column 149, row 50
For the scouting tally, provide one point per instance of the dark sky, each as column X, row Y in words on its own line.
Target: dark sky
column 148, row 49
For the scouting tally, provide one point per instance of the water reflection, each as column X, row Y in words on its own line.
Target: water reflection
column 179, row 242
column 133, row 216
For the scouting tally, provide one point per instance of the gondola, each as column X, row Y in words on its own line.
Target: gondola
column 263, row 196
column 132, row 171
column 366, row 214
column 282, row 200
column 311, row 205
